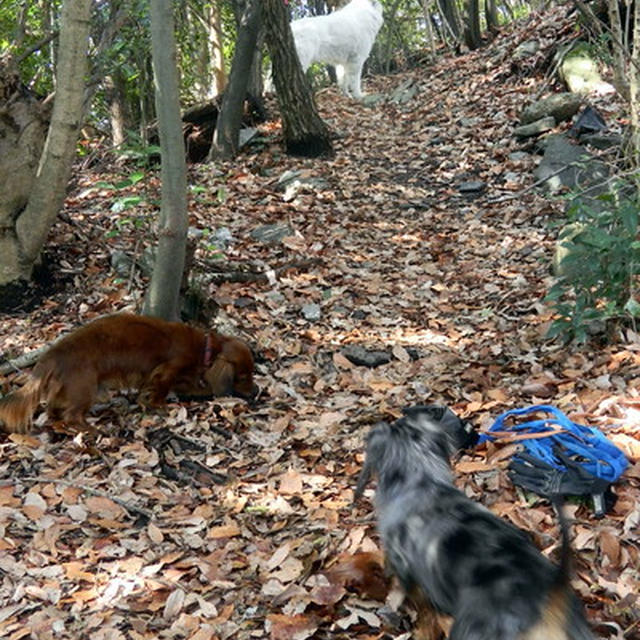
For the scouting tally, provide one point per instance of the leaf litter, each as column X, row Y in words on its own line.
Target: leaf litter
column 216, row 520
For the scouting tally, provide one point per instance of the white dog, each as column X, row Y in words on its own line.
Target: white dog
column 343, row 38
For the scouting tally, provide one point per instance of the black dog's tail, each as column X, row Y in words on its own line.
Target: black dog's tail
column 563, row 605
column 563, row 577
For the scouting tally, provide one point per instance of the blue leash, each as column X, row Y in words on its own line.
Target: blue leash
column 586, row 445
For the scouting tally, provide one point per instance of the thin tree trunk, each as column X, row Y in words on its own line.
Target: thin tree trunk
column 305, row 133
column 225, row 137
column 451, row 17
column 164, row 290
column 217, row 52
column 472, row 34
column 619, row 66
column 491, row 15
column 115, row 95
column 634, row 91
column 426, row 12
column 49, row 189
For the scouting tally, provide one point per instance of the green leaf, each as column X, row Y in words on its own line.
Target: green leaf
column 632, row 307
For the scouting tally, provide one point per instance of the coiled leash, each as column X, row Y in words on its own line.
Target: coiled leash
column 558, row 456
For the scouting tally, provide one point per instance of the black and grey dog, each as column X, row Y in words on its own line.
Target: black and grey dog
column 451, row 554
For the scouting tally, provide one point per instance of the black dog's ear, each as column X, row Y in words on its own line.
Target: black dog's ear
column 376, row 443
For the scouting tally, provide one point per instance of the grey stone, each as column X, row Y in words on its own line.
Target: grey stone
column 602, row 140
column 535, row 128
column 526, row 49
column 311, row 312
column 271, row 233
column 473, row 186
column 292, row 181
column 518, row 156
column 362, row 357
column 372, row 99
column 571, row 165
column 562, row 106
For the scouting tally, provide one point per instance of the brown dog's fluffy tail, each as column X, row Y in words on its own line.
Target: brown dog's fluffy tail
column 17, row 408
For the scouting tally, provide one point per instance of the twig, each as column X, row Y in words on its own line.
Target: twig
column 24, row 361
column 131, row 509
column 251, row 276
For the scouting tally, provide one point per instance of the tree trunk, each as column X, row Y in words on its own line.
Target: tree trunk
column 634, row 92
column 47, row 195
column 451, row 17
column 426, row 12
column 23, row 128
column 115, row 86
column 217, row 52
column 472, row 34
column 491, row 14
column 305, row 133
column 619, row 52
column 225, row 137
column 162, row 298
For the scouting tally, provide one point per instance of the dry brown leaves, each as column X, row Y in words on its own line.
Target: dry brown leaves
column 122, row 538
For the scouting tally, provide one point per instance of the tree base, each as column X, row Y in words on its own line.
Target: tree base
column 22, row 296
column 311, row 146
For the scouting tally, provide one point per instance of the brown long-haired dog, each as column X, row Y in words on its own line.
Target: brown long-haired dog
column 129, row 351
column 451, row 554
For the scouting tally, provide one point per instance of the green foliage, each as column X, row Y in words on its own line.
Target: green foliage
column 27, row 27
column 598, row 275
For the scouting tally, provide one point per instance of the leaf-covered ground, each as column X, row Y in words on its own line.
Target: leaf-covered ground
column 217, row 520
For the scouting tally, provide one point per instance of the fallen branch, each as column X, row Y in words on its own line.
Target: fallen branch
column 127, row 506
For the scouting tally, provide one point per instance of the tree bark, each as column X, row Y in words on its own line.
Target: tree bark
column 23, row 128
column 618, row 49
column 49, row 188
column 162, row 298
column 451, row 16
column 304, row 132
column 219, row 75
column 472, row 34
column 634, row 92
column 225, row 137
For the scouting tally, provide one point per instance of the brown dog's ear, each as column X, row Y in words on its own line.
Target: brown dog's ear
column 219, row 376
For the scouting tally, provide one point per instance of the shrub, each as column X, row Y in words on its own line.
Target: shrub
column 597, row 278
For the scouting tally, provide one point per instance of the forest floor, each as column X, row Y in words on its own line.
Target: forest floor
column 217, row 520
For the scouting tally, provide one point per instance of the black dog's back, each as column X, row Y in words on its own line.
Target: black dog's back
column 453, row 552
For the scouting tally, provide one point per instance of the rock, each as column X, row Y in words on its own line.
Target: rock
column 526, row 49
column 567, row 234
column 589, row 121
column 271, row 233
column 372, row 99
column 311, row 312
column 602, row 140
column 222, row 237
column 121, row 263
column 293, row 181
column 243, row 302
column 362, row 357
column 535, row 128
column 562, row 106
column 405, row 92
column 580, row 72
column 473, row 186
column 571, row 165
column 245, row 135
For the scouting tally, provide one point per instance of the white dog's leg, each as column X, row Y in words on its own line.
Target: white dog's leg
column 353, row 72
column 341, row 78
